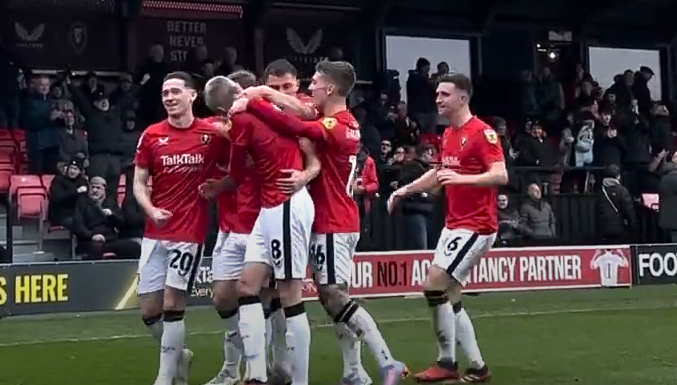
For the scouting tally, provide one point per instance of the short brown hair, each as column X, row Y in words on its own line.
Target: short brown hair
column 341, row 73
column 279, row 68
column 220, row 93
column 244, row 78
column 180, row 75
column 461, row 81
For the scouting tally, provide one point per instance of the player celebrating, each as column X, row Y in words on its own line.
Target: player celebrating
column 175, row 154
column 280, row 237
column 336, row 227
column 473, row 165
column 282, row 79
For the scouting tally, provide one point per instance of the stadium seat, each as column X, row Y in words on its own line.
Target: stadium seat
column 29, row 197
column 19, row 136
column 6, row 172
column 47, row 181
column 6, row 158
column 5, row 134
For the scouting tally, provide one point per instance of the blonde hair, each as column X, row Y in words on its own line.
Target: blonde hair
column 220, row 93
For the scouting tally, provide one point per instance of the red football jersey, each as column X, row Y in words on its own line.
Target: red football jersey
column 471, row 149
column 270, row 153
column 307, row 101
column 248, row 205
column 178, row 160
column 226, row 202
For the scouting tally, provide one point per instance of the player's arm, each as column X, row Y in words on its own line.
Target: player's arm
column 290, row 104
column 425, row 182
column 312, row 162
column 286, row 124
column 140, row 186
column 240, row 137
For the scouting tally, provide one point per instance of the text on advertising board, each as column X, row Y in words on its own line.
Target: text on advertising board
column 182, row 36
column 403, row 273
column 658, row 265
column 34, row 288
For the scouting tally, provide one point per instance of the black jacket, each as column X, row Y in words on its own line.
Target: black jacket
column 63, row 197
column 103, row 127
column 89, row 220
column 71, row 144
column 133, row 218
column 616, row 217
column 416, row 203
column 667, row 203
column 420, row 94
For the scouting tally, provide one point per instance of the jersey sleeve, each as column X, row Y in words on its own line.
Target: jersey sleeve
column 144, row 155
column 240, row 137
column 489, row 147
column 286, row 124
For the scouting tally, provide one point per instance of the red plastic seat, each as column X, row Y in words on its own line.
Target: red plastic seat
column 29, row 196
column 6, row 172
column 47, row 181
column 5, row 134
column 19, row 136
column 6, row 158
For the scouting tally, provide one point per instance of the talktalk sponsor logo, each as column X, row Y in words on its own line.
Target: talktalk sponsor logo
column 182, row 159
column 657, row 264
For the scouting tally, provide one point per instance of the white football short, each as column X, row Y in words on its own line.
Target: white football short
column 220, row 241
column 167, row 264
column 228, row 264
column 331, row 256
column 459, row 250
column 281, row 237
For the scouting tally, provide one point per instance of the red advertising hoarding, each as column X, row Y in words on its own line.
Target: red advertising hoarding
column 388, row 274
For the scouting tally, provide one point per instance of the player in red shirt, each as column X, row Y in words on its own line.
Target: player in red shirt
column 175, row 153
column 472, row 167
column 280, row 237
column 336, row 229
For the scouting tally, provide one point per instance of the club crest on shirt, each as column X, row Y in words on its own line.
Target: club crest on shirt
column 491, row 136
column 329, row 123
column 206, row 138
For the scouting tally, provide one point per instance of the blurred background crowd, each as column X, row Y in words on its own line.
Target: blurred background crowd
column 565, row 135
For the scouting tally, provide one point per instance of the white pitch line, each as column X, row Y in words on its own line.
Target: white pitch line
column 327, row 325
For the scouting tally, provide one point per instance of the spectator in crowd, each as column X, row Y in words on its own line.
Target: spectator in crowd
column 228, row 62
column 104, row 131
column 528, row 92
column 40, row 117
column 154, row 68
column 639, row 154
column 125, row 94
column 622, row 89
column 616, row 218
column 609, row 146
column 11, row 68
column 535, row 151
column 64, row 193
column 442, row 69
column 388, row 166
column 133, row 219
column 129, row 139
column 537, row 220
column 508, row 221
column 406, row 129
column 640, row 90
column 384, row 117
column 366, row 180
column 90, row 87
column 96, row 223
column 667, row 197
column 72, row 142
column 368, row 133
column 421, row 95
column 551, row 97
column 661, row 129
column 417, row 207
column 60, row 97
column 196, row 57
column 585, row 140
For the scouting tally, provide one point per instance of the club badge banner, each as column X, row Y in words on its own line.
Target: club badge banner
column 49, row 42
column 111, row 285
column 180, row 36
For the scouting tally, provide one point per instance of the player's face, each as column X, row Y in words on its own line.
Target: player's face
column 450, row 99
column 287, row 84
column 177, row 98
column 320, row 89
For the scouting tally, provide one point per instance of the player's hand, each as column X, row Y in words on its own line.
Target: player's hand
column 160, row 216
column 257, row 92
column 238, row 106
column 82, row 189
column 293, row 183
column 208, row 189
column 394, row 198
column 107, row 212
column 358, row 188
column 446, row 176
column 98, row 238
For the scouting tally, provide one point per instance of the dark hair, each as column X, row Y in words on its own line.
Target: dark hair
column 498, row 121
column 341, row 73
column 422, row 149
column 279, row 68
column 244, row 78
column 180, row 75
column 422, row 62
column 612, row 171
column 462, row 82
column 585, row 100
